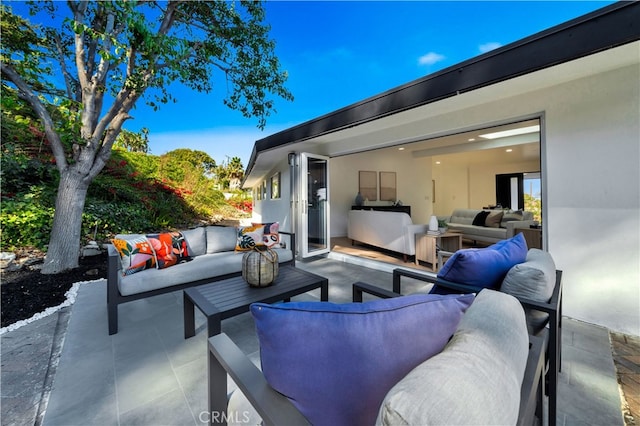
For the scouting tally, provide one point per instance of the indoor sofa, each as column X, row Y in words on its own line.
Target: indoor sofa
column 489, row 372
column 392, row 231
column 213, row 254
column 497, row 225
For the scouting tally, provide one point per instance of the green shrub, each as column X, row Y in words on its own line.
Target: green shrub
column 24, row 223
column 130, row 195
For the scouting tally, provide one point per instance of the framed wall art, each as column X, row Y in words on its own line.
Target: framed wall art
column 368, row 185
column 387, row 186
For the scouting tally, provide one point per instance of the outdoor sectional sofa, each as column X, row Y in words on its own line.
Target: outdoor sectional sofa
column 533, row 280
column 489, row 372
column 212, row 257
column 497, row 225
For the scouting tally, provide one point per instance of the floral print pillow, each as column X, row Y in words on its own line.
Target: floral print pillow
column 136, row 253
column 170, row 248
column 258, row 235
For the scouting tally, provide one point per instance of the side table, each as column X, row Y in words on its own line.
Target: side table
column 533, row 236
column 427, row 246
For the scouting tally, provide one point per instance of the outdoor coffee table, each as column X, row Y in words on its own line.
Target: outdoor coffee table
column 233, row 296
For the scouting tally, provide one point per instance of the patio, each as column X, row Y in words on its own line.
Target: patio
column 148, row 374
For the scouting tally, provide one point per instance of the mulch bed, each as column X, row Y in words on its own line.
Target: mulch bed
column 27, row 292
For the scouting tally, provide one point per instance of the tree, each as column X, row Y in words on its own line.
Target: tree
column 176, row 165
column 229, row 174
column 133, row 142
column 109, row 55
column 235, row 172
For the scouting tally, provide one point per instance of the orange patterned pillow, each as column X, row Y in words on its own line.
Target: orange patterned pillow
column 170, row 248
column 136, row 254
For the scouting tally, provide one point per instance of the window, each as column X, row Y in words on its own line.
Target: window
column 275, row 186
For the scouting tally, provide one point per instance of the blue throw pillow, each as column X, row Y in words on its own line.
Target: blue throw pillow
column 486, row 267
column 336, row 362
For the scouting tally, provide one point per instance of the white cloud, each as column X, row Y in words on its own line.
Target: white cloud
column 489, row 46
column 430, row 58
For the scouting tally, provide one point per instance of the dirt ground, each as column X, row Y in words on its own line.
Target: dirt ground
column 27, row 292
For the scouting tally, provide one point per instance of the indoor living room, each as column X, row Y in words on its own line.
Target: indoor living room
column 440, row 175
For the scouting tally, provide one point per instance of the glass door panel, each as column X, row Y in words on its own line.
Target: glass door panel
column 314, row 211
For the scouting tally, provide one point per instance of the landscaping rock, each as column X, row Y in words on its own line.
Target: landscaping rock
column 6, row 259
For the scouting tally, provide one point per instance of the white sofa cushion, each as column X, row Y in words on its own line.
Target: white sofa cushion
column 463, row 216
column 196, row 241
column 533, row 279
column 499, row 233
column 221, row 238
column 389, row 230
column 201, row 267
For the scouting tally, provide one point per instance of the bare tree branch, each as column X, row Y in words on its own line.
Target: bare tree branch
column 28, row 95
column 103, row 66
column 78, row 17
column 70, row 82
column 169, row 17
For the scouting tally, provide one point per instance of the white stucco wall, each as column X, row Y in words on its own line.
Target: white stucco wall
column 593, row 195
column 276, row 210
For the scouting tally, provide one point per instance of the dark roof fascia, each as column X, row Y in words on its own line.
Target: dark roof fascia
column 611, row 26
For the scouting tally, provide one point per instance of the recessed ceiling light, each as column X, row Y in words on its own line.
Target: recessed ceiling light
column 401, row 148
column 509, row 150
column 437, row 162
column 512, row 132
column 471, row 139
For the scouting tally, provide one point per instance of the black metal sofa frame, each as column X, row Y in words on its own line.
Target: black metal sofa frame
column 114, row 298
column 553, row 308
column 275, row 409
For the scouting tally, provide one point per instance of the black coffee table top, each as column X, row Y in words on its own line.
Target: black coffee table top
column 233, row 296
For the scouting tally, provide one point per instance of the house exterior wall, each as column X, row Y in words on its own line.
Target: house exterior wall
column 591, row 178
column 276, row 210
column 593, row 196
column 591, row 184
column 590, row 174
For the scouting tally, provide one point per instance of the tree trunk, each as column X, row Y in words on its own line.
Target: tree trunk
column 64, row 244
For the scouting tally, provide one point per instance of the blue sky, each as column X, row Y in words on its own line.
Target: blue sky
column 337, row 53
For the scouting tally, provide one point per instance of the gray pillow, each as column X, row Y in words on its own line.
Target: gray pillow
column 511, row 217
column 221, row 238
column 534, row 279
column 493, row 220
column 196, row 241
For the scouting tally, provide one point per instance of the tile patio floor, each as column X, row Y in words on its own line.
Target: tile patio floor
column 147, row 374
